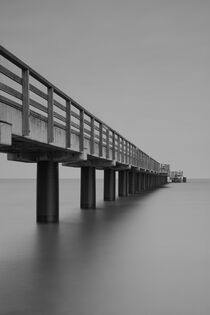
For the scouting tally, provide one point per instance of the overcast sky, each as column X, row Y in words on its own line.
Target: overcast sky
column 141, row 66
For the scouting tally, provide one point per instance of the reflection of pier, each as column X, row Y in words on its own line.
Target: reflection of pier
column 41, row 124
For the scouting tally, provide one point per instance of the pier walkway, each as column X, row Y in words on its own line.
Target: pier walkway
column 41, row 124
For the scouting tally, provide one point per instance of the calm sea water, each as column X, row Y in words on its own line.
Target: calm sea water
column 143, row 255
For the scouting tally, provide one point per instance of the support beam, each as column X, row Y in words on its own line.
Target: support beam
column 109, row 185
column 123, row 184
column 88, row 188
column 47, row 200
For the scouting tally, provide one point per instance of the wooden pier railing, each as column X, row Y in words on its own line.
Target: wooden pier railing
column 23, row 88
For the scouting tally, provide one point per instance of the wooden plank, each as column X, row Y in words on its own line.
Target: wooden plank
column 88, row 123
column 81, row 142
column 50, row 122
column 87, row 133
column 10, row 74
column 38, row 92
column 75, row 115
column 7, row 89
column 76, row 126
column 59, row 105
column 9, row 56
column 60, row 117
column 68, row 124
column 9, row 102
column 26, row 110
column 107, row 143
column 92, row 137
column 38, row 105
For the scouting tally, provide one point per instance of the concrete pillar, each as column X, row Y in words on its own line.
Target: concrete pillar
column 146, row 181
column 109, row 185
column 152, row 181
column 47, row 197
column 122, row 184
column 138, row 183
column 148, row 175
column 131, row 183
column 155, row 180
column 159, row 180
column 143, row 181
column 88, row 188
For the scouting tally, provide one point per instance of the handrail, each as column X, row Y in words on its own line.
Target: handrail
column 83, row 123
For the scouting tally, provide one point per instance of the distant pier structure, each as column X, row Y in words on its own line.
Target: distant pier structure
column 41, row 124
column 177, row 177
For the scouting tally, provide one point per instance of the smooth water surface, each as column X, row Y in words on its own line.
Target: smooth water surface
column 143, row 255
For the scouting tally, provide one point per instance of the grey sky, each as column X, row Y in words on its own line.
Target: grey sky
column 141, row 66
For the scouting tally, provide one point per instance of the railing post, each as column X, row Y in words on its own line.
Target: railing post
column 118, row 148
column 50, row 133
column 26, row 111
column 126, row 152
column 81, row 142
column 123, row 150
column 132, row 154
column 129, row 153
column 68, row 124
column 100, row 139
column 107, row 143
column 113, row 145
column 92, row 136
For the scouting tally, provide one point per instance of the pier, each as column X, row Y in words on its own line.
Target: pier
column 40, row 124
